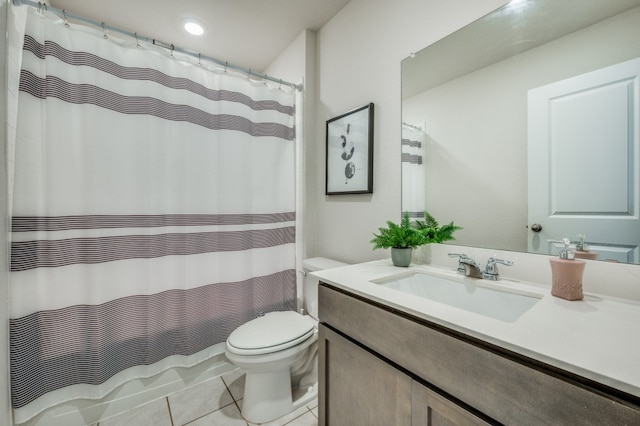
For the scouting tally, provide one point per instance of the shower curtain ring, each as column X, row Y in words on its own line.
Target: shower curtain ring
column 66, row 21
column 104, row 32
column 199, row 60
column 172, row 47
column 249, row 75
column 266, row 78
column 225, row 66
column 137, row 41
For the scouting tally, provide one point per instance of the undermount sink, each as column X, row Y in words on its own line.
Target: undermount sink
column 468, row 294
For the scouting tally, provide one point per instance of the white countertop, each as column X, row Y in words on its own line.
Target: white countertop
column 597, row 338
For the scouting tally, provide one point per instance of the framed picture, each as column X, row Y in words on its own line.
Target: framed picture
column 350, row 152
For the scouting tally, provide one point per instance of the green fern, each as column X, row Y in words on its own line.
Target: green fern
column 408, row 235
column 404, row 235
column 434, row 232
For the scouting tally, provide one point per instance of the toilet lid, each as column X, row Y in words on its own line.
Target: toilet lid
column 273, row 332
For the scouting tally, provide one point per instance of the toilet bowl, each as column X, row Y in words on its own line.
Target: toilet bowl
column 278, row 352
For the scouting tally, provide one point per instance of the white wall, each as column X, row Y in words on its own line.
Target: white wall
column 359, row 54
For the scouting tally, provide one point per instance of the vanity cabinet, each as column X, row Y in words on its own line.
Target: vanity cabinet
column 382, row 366
column 362, row 389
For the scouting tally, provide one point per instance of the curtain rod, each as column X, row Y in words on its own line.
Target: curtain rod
column 69, row 15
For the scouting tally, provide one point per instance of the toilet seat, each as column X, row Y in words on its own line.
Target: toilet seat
column 276, row 331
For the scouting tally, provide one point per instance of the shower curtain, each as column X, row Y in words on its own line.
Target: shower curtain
column 153, row 210
column 414, row 173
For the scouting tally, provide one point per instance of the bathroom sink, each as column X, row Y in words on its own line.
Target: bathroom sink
column 469, row 294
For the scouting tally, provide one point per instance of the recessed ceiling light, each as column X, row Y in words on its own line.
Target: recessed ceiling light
column 193, row 26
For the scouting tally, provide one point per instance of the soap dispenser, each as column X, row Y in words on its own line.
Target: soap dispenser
column 566, row 274
column 582, row 249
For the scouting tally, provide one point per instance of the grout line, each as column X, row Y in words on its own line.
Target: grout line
column 239, row 411
column 169, row 408
column 207, row 414
column 228, row 390
column 233, row 398
column 297, row 417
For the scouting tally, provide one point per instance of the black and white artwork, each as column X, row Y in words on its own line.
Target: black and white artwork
column 350, row 152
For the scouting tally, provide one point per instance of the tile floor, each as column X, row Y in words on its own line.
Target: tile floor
column 216, row 402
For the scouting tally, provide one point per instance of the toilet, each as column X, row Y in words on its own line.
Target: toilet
column 279, row 351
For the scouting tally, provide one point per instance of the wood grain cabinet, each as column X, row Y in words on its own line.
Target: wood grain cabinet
column 381, row 366
column 362, row 389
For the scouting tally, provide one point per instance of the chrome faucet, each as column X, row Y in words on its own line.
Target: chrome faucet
column 491, row 271
column 467, row 266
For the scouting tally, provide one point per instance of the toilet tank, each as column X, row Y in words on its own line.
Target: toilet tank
column 310, row 284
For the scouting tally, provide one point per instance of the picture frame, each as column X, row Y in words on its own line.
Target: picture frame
column 349, row 152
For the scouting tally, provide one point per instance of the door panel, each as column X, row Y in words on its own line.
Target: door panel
column 584, row 147
column 432, row 409
column 357, row 388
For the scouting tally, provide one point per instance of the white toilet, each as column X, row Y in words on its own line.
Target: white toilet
column 278, row 351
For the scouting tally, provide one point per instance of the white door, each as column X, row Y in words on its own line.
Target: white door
column 584, row 161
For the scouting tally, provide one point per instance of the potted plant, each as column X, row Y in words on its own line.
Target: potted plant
column 404, row 237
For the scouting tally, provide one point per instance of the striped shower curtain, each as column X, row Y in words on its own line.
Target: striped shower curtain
column 153, row 211
column 414, row 174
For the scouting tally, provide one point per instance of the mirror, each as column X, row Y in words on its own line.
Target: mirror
column 530, row 118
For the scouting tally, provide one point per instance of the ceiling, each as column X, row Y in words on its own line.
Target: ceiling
column 247, row 33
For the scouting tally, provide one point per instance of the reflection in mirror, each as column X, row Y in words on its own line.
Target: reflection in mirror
column 529, row 120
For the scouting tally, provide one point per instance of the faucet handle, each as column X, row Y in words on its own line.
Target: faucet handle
column 461, row 257
column 491, row 271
